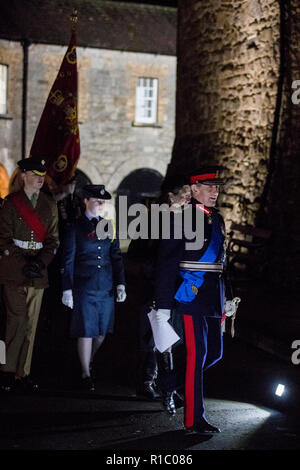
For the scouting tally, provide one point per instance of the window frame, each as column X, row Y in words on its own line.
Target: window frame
column 146, row 101
column 4, row 90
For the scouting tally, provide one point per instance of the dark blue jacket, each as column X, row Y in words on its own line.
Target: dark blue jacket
column 210, row 297
column 87, row 261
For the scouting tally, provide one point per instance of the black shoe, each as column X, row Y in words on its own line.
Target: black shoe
column 189, row 431
column 26, row 385
column 93, row 372
column 202, row 428
column 147, row 390
column 178, row 400
column 168, row 402
column 7, row 380
column 87, row 384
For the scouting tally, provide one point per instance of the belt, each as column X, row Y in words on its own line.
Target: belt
column 198, row 266
column 28, row 245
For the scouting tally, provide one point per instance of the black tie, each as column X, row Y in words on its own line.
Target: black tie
column 94, row 221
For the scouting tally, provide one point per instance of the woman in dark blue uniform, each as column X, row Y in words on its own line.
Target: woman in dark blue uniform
column 92, row 271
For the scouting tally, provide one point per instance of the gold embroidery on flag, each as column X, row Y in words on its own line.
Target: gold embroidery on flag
column 71, row 56
column 56, row 97
column 60, row 163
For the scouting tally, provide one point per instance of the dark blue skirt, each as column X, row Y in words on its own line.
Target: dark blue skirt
column 93, row 313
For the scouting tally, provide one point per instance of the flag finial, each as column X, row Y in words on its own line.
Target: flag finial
column 74, row 19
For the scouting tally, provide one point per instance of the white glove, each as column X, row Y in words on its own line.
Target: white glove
column 67, row 298
column 163, row 315
column 121, row 294
column 231, row 306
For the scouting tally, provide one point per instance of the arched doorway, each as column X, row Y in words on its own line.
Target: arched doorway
column 138, row 186
column 81, row 180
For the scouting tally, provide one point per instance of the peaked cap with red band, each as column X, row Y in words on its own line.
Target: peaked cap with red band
column 209, row 175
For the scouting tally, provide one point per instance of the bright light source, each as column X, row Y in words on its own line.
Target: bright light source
column 279, row 390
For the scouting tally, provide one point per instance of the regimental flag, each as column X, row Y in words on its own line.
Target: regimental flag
column 57, row 136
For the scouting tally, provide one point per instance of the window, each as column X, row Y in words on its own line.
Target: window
column 146, row 100
column 3, row 89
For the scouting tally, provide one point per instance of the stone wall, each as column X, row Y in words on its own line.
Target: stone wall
column 228, row 65
column 11, row 54
column 111, row 146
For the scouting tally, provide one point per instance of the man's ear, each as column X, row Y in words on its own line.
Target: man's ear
column 194, row 189
column 171, row 196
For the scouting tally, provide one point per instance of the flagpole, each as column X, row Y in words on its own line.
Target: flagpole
column 57, row 135
column 74, row 19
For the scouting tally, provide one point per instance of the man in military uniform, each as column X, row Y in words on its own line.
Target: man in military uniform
column 92, row 272
column 192, row 282
column 28, row 241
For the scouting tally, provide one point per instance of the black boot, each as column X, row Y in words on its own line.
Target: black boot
column 7, row 382
column 168, row 402
column 165, row 368
column 146, row 376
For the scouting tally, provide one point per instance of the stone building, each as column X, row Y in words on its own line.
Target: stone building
column 127, row 72
column 238, row 66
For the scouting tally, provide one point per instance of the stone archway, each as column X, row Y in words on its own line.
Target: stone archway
column 139, row 186
column 81, row 180
column 134, row 164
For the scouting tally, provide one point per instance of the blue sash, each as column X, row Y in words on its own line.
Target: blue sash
column 192, row 279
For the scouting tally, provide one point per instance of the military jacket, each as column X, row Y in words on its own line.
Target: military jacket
column 13, row 227
column 210, row 296
column 89, row 262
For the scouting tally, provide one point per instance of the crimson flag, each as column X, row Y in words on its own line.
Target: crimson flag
column 57, row 136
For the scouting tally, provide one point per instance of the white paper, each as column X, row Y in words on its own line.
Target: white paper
column 163, row 334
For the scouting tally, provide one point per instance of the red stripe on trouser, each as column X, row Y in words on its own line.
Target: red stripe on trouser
column 190, row 370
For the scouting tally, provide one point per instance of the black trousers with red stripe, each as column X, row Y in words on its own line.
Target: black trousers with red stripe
column 204, row 347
